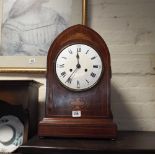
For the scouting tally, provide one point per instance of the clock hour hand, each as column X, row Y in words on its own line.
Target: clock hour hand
column 78, row 57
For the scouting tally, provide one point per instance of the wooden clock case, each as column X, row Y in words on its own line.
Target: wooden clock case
column 94, row 104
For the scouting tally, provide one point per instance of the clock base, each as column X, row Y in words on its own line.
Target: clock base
column 77, row 128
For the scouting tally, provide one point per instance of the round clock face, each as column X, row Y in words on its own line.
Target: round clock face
column 78, row 67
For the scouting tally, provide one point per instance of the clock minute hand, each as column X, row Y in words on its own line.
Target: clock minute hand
column 69, row 80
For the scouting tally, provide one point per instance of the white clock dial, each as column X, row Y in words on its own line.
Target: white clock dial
column 78, row 67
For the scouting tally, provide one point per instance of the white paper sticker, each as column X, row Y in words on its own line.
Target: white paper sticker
column 32, row 60
column 76, row 113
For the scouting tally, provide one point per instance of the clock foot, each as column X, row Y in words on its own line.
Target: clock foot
column 85, row 128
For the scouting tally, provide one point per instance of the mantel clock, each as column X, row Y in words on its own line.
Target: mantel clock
column 78, row 86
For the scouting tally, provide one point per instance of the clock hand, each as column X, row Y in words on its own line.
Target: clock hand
column 71, row 76
column 78, row 66
column 78, row 57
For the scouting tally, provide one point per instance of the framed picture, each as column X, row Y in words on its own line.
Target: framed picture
column 28, row 28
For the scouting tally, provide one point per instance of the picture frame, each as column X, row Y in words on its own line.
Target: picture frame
column 37, row 64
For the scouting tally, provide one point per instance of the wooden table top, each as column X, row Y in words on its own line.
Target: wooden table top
column 126, row 142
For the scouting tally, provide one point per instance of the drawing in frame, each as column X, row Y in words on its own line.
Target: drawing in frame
column 28, row 28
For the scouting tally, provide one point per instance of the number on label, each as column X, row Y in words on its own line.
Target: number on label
column 76, row 113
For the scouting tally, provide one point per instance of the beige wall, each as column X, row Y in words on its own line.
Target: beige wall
column 128, row 27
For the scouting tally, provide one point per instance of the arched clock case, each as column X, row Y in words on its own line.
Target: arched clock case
column 78, row 87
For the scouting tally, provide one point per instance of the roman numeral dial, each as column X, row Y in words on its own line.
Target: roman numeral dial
column 79, row 67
